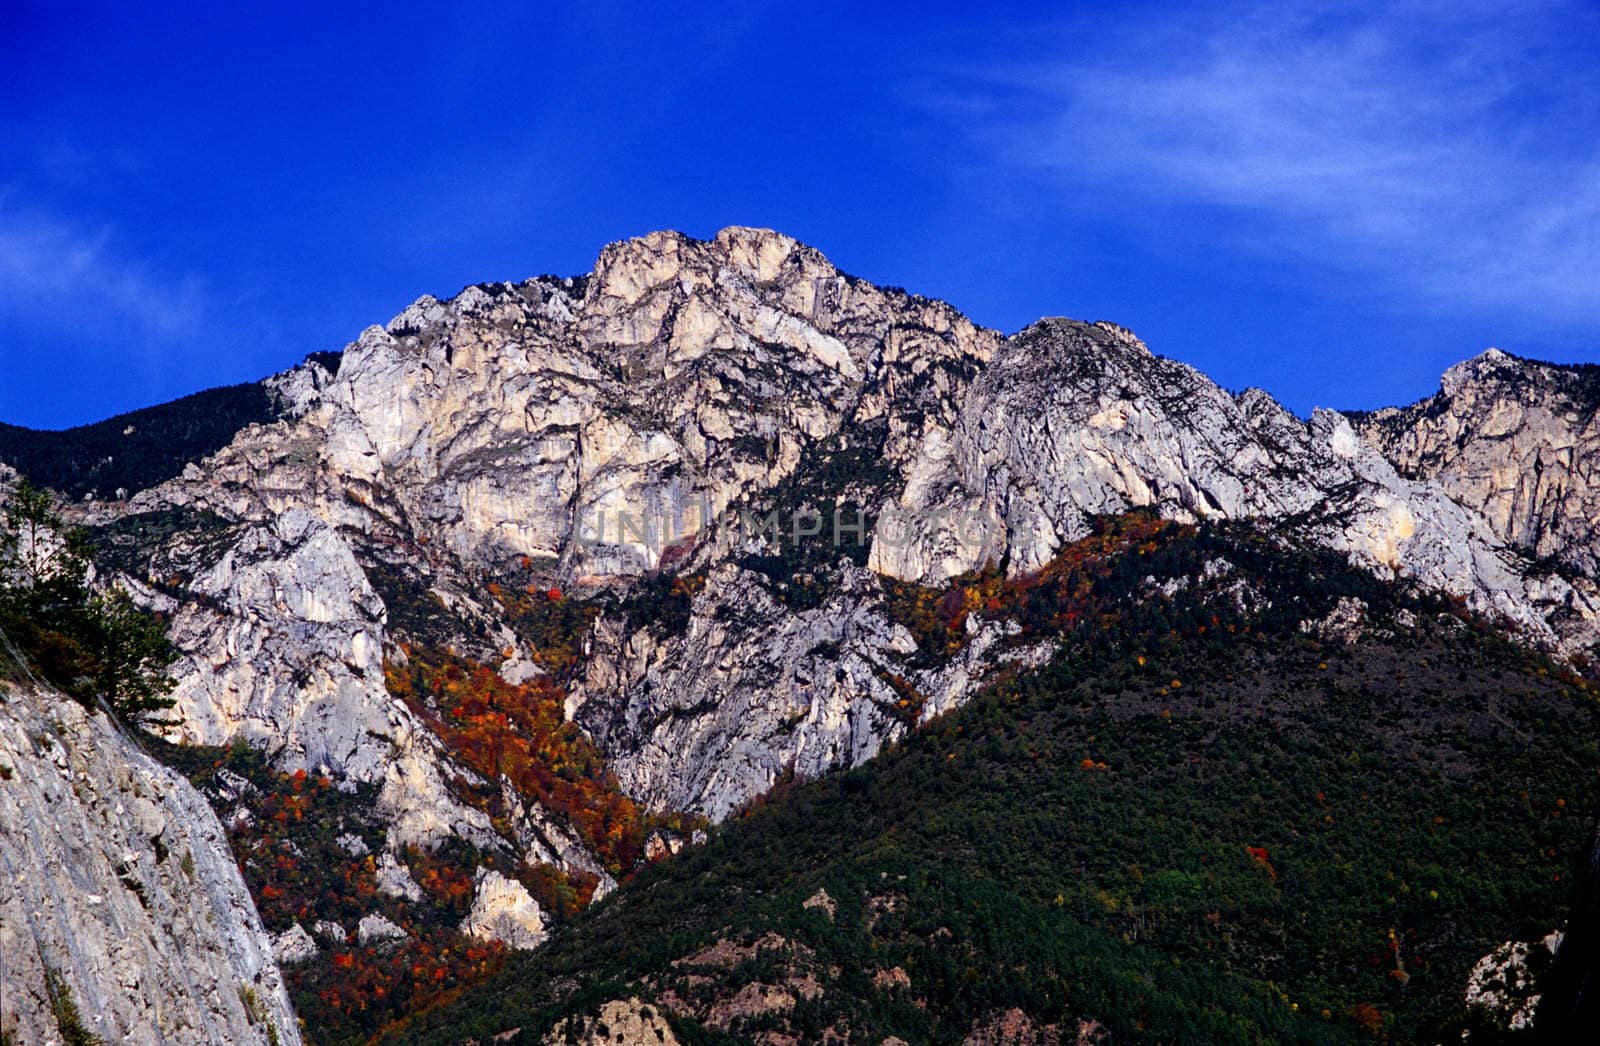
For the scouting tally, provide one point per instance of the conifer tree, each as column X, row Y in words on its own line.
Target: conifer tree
column 93, row 645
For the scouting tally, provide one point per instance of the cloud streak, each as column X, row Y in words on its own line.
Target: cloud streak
column 72, row 277
column 1445, row 151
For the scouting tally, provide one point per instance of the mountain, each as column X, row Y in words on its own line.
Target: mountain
column 536, row 586
column 1259, row 797
column 1515, row 441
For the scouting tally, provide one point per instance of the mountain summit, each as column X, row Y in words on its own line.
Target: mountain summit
column 555, row 575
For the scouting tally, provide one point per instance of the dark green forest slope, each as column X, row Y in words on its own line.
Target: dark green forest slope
column 139, row 449
column 1200, row 823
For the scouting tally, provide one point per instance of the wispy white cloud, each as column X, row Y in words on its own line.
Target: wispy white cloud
column 1447, row 151
column 73, row 278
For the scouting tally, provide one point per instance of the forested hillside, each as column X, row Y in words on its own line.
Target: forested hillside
column 1028, row 687
column 136, row 450
column 1204, row 821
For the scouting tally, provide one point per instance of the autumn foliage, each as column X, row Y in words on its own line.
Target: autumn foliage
column 1061, row 598
column 516, row 732
column 377, row 990
column 551, row 625
column 308, row 852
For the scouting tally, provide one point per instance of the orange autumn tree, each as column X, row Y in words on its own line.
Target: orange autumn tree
column 1058, row 599
column 517, row 732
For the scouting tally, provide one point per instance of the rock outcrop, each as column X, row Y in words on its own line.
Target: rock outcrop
column 621, row 1020
column 627, row 408
column 678, row 412
column 294, row 945
column 1514, row 440
column 119, row 893
column 502, row 910
column 753, row 689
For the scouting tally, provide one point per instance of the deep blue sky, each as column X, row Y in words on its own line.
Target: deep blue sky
column 1332, row 205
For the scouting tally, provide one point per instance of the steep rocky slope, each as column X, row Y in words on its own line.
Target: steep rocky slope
column 738, row 412
column 1515, row 440
column 1259, row 796
column 119, row 897
column 685, row 501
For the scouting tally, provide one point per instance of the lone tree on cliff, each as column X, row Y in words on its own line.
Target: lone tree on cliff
column 93, row 645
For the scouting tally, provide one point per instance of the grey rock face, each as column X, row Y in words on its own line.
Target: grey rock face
column 118, row 879
column 684, row 375
column 1514, row 440
column 283, row 646
column 710, row 718
column 610, row 427
column 1071, row 420
column 330, row 932
column 713, row 717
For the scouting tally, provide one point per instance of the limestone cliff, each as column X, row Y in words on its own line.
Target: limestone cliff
column 1514, row 440
column 119, row 897
column 677, row 412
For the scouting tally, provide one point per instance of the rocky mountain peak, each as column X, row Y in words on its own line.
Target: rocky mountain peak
column 629, row 269
column 1493, row 374
column 625, row 490
column 1484, row 366
column 1514, row 439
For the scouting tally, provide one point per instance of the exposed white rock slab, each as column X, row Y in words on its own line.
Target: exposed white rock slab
column 376, row 929
column 394, row 879
column 283, row 644
column 294, row 945
column 351, row 844
column 503, row 910
column 118, row 877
